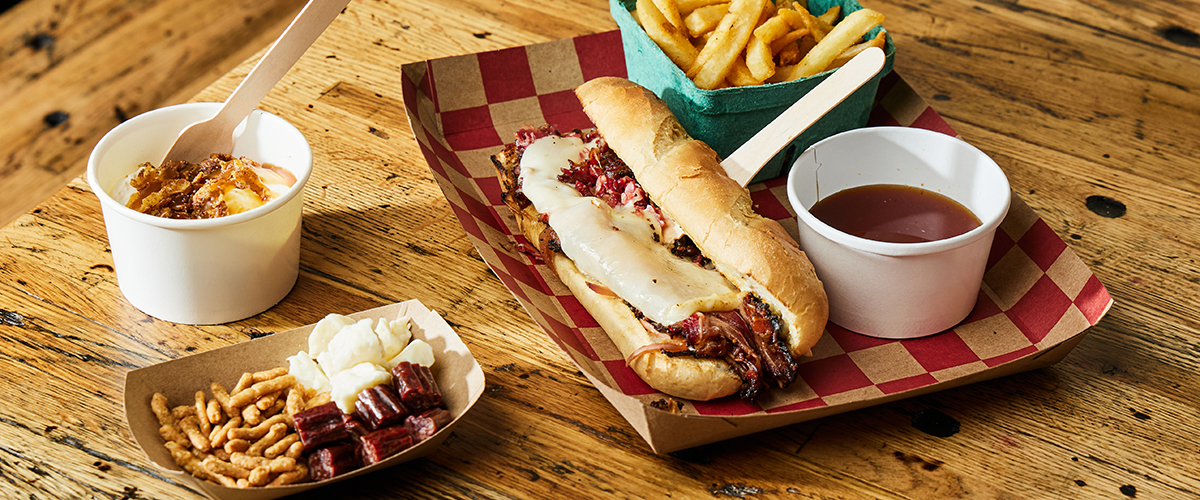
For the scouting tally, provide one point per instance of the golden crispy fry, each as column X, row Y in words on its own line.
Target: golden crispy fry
column 845, row 34
column 727, row 42
column 759, row 61
column 789, row 55
column 686, row 7
column 260, row 389
column 674, row 44
column 814, row 26
column 829, row 18
column 740, row 75
column 880, row 41
column 705, row 19
column 792, row 17
column 670, row 12
column 787, row 40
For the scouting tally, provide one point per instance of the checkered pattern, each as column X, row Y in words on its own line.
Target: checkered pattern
column 1036, row 293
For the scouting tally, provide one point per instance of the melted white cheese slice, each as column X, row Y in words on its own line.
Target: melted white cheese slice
column 616, row 246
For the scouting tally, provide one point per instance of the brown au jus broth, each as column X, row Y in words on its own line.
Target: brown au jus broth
column 894, row 213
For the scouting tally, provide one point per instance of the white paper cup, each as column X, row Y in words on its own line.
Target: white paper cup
column 202, row 271
column 898, row 290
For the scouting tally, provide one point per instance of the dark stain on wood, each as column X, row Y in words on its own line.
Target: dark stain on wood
column 482, row 35
column 1129, row 490
column 1105, row 206
column 105, row 267
column 41, row 41
column 1139, row 415
column 1079, row 482
column 11, row 318
column 378, row 133
column 929, row 465
column 505, row 368
column 55, row 118
column 1180, row 35
column 935, row 423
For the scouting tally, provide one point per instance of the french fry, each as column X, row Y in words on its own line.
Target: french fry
column 670, row 12
column 845, row 34
column 759, row 58
column 674, row 44
column 814, row 26
column 789, row 55
column 740, row 75
column 880, row 41
column 705, row 19
column 793, row 17
column 789, row 39
column 829, row 18
column 688, row 6
column 727, row 42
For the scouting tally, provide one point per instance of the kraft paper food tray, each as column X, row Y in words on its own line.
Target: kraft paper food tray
column 1037, row 300
column 726, row 118
column 457, row 373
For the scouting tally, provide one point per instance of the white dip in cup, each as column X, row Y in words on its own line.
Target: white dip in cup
column 202, row 271
column 898, row 290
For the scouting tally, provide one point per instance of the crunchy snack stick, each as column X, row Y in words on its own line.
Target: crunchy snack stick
column 202, row 413
column 215, row 465
column 296, row 476
column 192, row 430
column 221, row 434
column 280, row 447
column 260, row 389
column 274, row 435
column 158, row 404
column 222, row 397
column 259, row 430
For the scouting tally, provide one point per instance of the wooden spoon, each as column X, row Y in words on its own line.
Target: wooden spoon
column 215, row 135
column 751, row 156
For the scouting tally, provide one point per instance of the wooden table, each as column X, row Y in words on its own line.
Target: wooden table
column 1075, row 100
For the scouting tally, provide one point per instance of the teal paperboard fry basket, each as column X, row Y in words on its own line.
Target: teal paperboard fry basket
column 726, row 118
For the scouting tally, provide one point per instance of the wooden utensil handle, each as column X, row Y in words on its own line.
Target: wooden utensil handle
column 283, row 54
column 751, row 156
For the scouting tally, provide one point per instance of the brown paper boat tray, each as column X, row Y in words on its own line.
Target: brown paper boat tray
column 457, row 373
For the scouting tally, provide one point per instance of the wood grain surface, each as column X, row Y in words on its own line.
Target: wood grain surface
column 1076, row 100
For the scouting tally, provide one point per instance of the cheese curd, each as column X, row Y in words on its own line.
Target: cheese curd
column 345, row 386
column 345, row 356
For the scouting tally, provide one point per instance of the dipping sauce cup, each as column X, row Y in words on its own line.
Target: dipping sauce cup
column 898, row 290
column 202, row 271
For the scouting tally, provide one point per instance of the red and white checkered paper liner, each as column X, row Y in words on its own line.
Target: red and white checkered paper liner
column 1036, row 294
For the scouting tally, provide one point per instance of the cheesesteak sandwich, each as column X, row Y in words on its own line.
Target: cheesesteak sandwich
column 703, row 297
